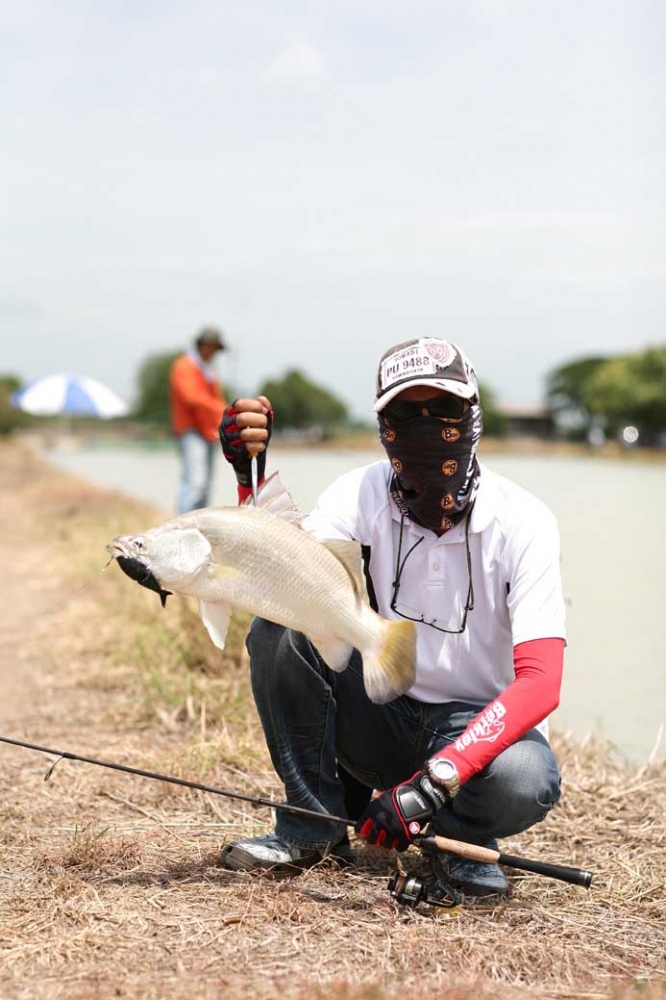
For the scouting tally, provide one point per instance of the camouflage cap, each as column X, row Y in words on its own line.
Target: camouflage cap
column 426, row 361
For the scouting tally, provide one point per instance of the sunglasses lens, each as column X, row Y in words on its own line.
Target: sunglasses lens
column 402, row 409
column 449, row 407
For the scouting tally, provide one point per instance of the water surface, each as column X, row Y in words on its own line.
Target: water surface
column 613, row 528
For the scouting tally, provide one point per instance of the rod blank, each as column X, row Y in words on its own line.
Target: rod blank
column 577, row 876
column 254, row 800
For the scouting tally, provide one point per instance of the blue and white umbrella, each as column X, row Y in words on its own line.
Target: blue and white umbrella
column 74, row 395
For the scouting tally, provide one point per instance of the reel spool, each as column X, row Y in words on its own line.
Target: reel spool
column 410, row 890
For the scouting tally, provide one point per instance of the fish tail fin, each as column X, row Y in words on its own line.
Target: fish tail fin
column 390, row 668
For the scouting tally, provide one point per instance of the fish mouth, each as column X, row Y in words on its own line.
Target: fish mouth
column 137, row 570
column 117, row 548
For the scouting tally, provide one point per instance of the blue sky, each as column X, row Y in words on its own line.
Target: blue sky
column 324, row 179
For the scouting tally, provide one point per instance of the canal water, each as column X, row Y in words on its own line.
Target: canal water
column 612, row 516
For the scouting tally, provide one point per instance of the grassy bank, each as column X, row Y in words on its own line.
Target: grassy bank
column 109, row 884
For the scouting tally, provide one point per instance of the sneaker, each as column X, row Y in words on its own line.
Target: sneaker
column 269, row 853
column 476, row 878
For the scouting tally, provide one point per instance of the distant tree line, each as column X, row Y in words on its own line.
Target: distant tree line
column 611, row 393
column 300, row 404
column 593, row 391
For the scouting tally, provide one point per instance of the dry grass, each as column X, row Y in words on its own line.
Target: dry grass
column 109, row 884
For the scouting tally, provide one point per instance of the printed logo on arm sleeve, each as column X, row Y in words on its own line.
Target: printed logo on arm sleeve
column 487, row 727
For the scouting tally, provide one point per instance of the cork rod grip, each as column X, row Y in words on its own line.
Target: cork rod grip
column 577, row 876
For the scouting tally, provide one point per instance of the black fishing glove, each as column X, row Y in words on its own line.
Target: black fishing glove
column 236, row 450
column 398, row 815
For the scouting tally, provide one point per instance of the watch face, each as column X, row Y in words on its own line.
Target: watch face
column 444, row 773
column 442, row 770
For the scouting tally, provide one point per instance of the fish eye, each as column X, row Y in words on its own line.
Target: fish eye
column 138, row 542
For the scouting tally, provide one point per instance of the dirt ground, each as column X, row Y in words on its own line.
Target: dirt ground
column 109, row 884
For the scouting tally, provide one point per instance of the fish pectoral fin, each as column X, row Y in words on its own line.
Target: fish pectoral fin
column 273, row 497
column 349, row 554
column 216, row 618
column 334, row 652
column 194, row 550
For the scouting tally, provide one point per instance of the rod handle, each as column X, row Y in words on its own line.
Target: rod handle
column 577, row 876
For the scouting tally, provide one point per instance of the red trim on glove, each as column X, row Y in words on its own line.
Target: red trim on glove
column 532, row 696
column 366, row 829
column 246, row 491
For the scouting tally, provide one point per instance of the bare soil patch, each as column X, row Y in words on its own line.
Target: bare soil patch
column 109, row 884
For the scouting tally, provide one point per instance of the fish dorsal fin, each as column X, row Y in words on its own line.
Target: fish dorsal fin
column 274, row 498
column 349, row 554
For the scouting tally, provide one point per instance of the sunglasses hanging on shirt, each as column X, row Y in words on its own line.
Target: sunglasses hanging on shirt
column 417, row 616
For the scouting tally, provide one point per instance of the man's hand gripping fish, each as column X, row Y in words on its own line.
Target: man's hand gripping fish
column 258, row 559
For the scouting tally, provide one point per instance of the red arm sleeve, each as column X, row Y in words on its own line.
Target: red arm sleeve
column 533, row 695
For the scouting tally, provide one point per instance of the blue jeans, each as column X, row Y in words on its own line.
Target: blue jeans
column 196, row 471
column 322, row 729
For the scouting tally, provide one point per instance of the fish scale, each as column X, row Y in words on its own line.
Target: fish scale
column 317, row 583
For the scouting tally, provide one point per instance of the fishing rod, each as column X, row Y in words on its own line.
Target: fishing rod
column 402, row 887
column 255, row 800
column 254, row 476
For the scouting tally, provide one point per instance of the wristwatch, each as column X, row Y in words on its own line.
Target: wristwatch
column 443, row 773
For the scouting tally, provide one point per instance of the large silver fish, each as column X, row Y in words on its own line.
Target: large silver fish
column 258, row 559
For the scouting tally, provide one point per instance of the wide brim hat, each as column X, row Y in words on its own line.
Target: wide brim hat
column 212, row 336
column 427, row 361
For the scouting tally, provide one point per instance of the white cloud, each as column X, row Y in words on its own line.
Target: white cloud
column 300, row 59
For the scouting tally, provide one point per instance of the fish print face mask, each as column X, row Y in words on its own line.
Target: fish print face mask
column 436, row 471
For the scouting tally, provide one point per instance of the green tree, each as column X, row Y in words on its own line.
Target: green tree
column 630, row 390
column 566, row 389
column 11, row 418
column 304, row 405
column 494, row 422
column 153, row 384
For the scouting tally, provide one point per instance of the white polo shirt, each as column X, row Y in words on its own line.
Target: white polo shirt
column 515, row 562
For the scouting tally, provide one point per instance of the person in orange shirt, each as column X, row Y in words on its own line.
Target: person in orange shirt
column 197, row 404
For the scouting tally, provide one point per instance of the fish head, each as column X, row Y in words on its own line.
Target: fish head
column 168, row 556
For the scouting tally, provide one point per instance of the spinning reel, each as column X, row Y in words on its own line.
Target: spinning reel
column 410, row 889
